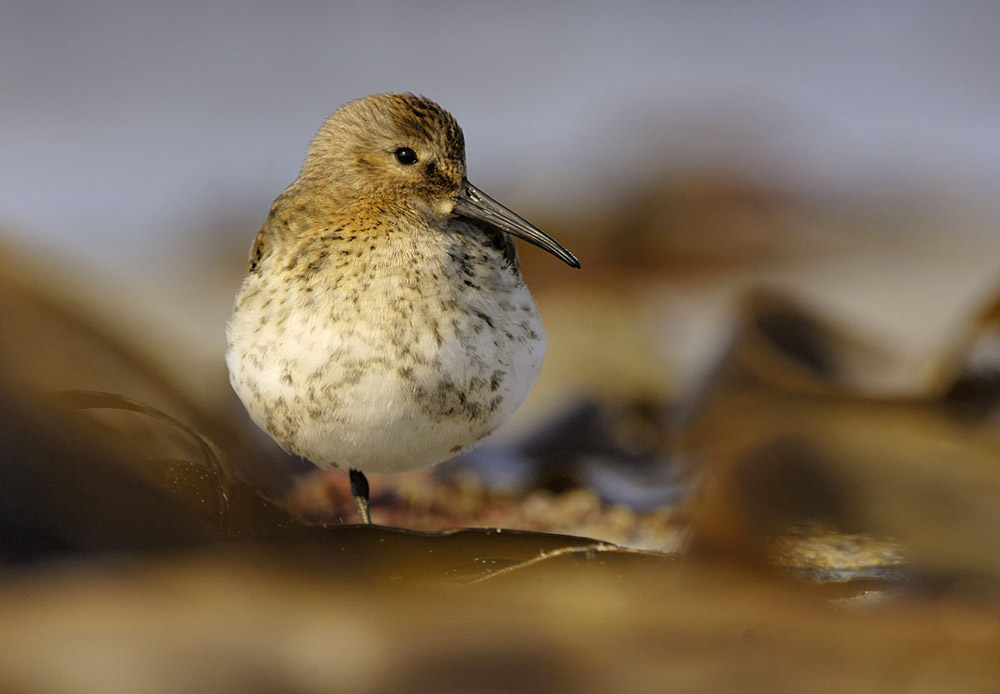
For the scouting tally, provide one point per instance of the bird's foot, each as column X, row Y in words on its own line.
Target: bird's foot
column 360, row 492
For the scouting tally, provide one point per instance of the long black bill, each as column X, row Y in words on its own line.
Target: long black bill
column 474, row 203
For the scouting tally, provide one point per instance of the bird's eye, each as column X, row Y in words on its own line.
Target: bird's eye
column 406, row 156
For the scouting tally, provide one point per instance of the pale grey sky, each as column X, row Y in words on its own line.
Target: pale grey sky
column 123, row 121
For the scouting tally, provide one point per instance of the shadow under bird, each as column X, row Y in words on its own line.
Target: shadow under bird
column 384, row 325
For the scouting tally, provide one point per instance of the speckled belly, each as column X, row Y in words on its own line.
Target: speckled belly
column 389, row 391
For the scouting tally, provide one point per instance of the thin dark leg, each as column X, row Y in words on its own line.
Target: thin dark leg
column 359, row 490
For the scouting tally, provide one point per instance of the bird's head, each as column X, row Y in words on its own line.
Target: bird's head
column 402, row 151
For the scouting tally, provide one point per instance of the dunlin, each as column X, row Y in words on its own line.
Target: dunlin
column 384, row 325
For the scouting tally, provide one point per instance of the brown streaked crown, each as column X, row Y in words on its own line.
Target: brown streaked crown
column 353, row 154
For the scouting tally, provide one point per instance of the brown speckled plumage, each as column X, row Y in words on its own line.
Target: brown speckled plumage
column 384, row 325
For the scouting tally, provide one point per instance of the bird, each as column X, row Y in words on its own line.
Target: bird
column 384, row 324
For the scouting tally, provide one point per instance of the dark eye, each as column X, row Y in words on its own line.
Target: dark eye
column 406, row 156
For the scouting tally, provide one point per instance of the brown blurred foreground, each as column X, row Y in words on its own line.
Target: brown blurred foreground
column 816, row 532
column 311, row 617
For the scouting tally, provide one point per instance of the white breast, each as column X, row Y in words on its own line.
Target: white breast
column 380, row 370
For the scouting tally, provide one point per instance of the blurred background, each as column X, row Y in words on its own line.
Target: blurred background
column 143, row 142
column 783, row 349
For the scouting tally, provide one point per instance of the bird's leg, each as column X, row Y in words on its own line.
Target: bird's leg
column 359, row 490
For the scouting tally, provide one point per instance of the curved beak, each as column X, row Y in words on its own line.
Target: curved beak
column 475, row 204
